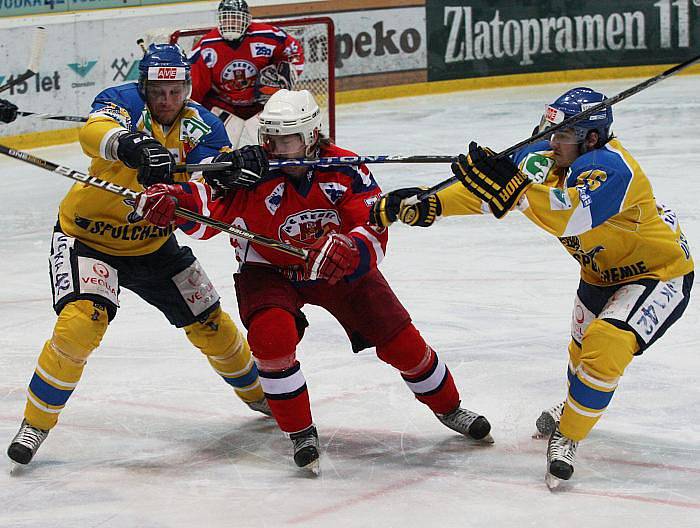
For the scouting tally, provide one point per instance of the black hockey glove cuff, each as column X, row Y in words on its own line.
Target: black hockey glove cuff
column 138, row 150
column 249, row 167
column 497, row 181
column 8, row 111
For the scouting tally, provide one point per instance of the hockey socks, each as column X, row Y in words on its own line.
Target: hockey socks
column 288, row 398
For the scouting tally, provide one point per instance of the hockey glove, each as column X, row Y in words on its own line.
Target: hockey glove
column 153, row 161
column 8, row 111
column 496, row 181
column 272, row 78
column 392, row 206
column 332, row 257
column 249, row 167
column 158, row 202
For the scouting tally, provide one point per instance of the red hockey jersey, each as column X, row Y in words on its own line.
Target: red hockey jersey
column 329, row 199
column 224, row 74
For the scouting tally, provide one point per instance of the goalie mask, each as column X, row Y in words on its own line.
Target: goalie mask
column 573, row 102
column 233, row 19
column 164, row 81
column 290, row 118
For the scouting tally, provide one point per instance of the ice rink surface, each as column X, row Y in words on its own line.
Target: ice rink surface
column 153, row 438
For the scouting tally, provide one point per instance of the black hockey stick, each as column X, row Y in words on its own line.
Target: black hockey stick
column 337, row 160
column 57, row 117
column 566, row 123
column 34, row 58
column 128, row 193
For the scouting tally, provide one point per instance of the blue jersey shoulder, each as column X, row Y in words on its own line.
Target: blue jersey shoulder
column 602, row 177
column 126, row 97
column 539, row 146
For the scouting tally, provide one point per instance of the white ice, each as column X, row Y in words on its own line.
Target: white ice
column 153, row 438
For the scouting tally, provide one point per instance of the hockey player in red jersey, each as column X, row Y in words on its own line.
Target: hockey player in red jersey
column 238, row 65
column 325, row 210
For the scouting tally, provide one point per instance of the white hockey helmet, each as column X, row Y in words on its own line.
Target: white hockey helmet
column 290, row 112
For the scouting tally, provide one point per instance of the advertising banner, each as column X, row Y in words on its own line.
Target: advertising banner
column 477, row 38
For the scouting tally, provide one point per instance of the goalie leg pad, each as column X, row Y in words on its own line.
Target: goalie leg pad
column 424, row 373
column 228, row 353
column 232, row 123
column 605, row 353
column 78, row 331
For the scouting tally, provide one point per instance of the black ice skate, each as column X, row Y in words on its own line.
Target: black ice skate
column 548, row 421
column 25, row 443
column 260, row 406
column 306, row 449
column 467, row 423
column 561, row 453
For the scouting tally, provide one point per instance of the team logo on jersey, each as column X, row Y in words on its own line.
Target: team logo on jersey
column 274, row 199
column 117, row 113
column 192, row 130
column 309, row 226
column 258, row 49
column 537, row 167
column 238, row 75
column 209, row 57
column 333, row 191
column 559, row 200
column 585, row 258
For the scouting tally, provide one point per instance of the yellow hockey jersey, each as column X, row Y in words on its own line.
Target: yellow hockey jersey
column 108, row 222
column 603, row 211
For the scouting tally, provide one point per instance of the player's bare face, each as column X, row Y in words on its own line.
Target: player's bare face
column 565, row 147
column 282, row 147
column 165, row 100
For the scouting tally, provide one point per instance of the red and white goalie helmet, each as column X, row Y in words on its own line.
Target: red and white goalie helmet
column 234, row 18
column 290, row 112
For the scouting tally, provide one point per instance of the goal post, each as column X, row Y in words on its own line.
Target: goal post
column 317, row 38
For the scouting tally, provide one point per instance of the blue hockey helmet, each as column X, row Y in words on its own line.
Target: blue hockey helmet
column 573, row 102
column 163, row 62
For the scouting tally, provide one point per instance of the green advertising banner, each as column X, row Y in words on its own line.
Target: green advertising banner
column 478, row 38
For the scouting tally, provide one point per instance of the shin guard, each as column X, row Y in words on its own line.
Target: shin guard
column 424, row 373
column 78, row 331
column 228, row 353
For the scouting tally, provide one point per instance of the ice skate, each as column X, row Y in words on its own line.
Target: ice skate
column 306, row 449
column 561, row 453
column 548, row 421
column 468, row 423
column 25, row 443
column 260, row 406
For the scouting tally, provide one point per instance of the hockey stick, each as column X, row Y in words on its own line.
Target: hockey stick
column 128, row 193
column 57, row 117
column 323, row 162
column 34, row 58
column 566, row 123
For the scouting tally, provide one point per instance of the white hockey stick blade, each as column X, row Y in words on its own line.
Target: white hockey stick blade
column 37, row 49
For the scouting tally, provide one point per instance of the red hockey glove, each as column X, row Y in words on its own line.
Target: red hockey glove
column 158, row 202
column 332, row 257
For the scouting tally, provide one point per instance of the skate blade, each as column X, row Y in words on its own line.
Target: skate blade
column 539, row 436
column 15, row 469
column 552, row 481
column 487, row 440
column 312, row 469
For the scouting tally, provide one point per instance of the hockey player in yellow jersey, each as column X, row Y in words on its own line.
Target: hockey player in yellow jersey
column 582, row 186
column 134, row 135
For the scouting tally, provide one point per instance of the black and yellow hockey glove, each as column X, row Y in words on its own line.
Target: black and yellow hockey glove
column 391, row 207
column 496, row 181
